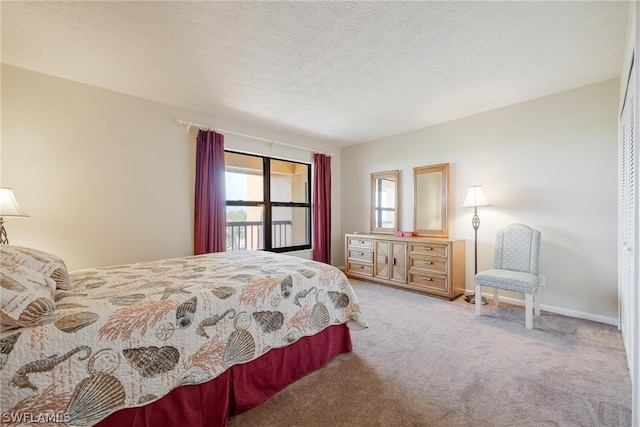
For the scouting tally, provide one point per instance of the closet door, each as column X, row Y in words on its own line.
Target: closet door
column 628, row 223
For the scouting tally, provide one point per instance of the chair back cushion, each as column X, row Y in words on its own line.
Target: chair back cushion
column 517, row 249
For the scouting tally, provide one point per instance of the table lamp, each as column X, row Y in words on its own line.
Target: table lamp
column 8, row 207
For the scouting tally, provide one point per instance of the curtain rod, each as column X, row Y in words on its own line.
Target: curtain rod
column 190, row 124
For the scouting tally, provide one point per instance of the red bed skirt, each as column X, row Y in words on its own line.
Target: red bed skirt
column 240, row 388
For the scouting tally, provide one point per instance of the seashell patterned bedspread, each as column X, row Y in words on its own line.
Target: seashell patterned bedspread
column 127, row 335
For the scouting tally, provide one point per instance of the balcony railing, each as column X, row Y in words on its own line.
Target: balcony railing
column 250, row 234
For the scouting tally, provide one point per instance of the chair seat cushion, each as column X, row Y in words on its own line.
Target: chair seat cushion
column 508, row 280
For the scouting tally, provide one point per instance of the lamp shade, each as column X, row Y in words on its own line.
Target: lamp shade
column 8, row 204
column 475, row 197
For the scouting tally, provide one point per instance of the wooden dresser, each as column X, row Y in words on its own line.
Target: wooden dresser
column 434, row 266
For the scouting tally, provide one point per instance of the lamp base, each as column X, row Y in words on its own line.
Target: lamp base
column 471, row 299
column 3, row 234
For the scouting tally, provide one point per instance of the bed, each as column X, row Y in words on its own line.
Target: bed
column 189, row 340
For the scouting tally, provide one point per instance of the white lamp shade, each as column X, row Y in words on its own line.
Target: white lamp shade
column 8, row 204
column 475, row 197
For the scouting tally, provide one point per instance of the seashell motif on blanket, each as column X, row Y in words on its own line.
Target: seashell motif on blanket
column 241, row 347
column 39, row 312
column 320, row 317
column 307, row 273
column 185, row 312
column 194, row 375
column 11, row 284
column 76, row 321
column 94, row 398
column 68, row 305
column 146, row 398
column 245, row 278
column 96, row 284
column 155, row 284
column 339, row 299
column 63, row 294
column 285, row 286
column 6, row 346
column 292, row 336
column 125, row 300
column 269, row 321
column 223, row 292
column 152, row 361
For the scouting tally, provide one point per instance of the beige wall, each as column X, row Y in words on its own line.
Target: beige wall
column 550, row 163
column 108, row 178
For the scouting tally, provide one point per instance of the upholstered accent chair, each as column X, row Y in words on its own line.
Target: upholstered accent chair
column 515, row 268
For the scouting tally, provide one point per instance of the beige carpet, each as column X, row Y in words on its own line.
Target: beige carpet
column 428, row 362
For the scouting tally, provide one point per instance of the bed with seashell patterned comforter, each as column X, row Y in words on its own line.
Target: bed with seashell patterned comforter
column 127, row 335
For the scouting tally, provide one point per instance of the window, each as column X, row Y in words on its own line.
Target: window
column 268, row 203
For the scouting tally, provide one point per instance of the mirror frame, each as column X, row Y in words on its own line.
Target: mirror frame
column 374, row 177
column 443, row 231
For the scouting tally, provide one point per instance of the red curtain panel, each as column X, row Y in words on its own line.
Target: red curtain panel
column 210, row 198
column 322, row 208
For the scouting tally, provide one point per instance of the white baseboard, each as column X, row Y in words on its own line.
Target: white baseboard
column 560, row 310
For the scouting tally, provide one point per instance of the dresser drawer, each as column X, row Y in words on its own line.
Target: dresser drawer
column 429, row 249
column 362, row 269
column 434, row 265
column 354, row 242
column 360, row 255
column 430, row 282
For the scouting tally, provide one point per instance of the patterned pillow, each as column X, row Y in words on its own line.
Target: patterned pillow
column 42, row 262
column 26, row 298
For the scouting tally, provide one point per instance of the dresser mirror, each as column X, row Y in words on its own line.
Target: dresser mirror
column 431, row 200
column 384, row 202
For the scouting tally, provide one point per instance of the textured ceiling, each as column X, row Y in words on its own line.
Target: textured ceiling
column 347, row 72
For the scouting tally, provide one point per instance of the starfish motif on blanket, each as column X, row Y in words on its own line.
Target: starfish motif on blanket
column 172, row 290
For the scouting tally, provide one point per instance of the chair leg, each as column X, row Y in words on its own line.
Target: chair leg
column 536, row 301
column 495, row 297
column 478, row 299
column 528, row 308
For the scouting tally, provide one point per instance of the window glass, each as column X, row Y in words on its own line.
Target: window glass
column 281, row 222
column 289, row 181
column 290, row 226
column 245, row 227
column 243, row 177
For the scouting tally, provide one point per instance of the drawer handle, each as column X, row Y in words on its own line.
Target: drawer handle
column 428, row 262
column 428, row 279
column 427, row 248
column 360, row 253
column 360, row 266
